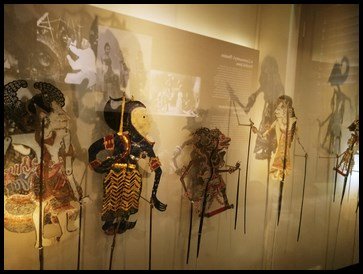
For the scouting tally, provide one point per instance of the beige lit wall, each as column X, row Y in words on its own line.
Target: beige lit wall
column 272, row 30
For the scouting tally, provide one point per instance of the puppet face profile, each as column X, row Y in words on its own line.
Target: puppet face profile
column 141, row 120
column 280, row 111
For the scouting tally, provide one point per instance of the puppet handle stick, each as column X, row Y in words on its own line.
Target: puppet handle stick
column 248, row 156
column 114, row 243
column 150, row 229
column 40, row 237
column 120, row 130
column 79, row 234
column 80, row 223
column 302, row 199
column 336, row 177
column 205, row 199
column 190, row 229
column 237, row 195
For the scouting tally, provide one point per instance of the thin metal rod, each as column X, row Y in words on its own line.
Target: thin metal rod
column 190, row 229
column 337, row 234
column 150, row 231
column 237, row 195
column 113, row 243
column 354, row 237
column 346, row 178
column 41, row 250
column 336, row 177
column 80, row 224
column 79, row 235
column 264, row 256
column 302, row 199
column 246, row 181
column 205, row 200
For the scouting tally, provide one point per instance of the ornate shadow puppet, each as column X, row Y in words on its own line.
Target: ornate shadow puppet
column 36, row 192
column 332, row 138
column 271, row 88
column 201, row 178
column 122, row 184
column 285, row 129
column 346, row 163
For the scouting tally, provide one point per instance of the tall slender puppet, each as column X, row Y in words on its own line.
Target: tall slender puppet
column 335, row 119
column 284, row 127
column 270, row 88
column 123, row 182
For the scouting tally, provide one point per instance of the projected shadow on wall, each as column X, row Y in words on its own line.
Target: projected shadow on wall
column 277, row 111
column 332, row 138
column 271, row 88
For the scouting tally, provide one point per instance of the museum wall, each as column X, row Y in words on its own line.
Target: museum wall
column 223, row 54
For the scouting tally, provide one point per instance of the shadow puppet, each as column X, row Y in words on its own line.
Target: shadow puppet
column 271, row 88
column 332, row 139
column 59, row 200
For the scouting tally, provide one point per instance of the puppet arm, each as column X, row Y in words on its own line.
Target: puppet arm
column 155, row 164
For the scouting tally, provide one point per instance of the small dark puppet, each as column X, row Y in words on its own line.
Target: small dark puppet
column 123, row 182
column 207, row 159
column 346, row 163
column 201, row 179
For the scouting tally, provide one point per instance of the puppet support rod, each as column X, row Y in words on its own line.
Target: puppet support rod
column 41, row 250
column 302, row 198
column 205, row 199
column 81, row 197
column 190, row 229
column 120, row 131
column 246, row 178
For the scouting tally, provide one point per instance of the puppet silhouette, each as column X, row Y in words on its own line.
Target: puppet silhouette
column 271, row 88
column 332, row 138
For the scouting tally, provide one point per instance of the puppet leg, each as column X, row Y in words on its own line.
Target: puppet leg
column 45, row 241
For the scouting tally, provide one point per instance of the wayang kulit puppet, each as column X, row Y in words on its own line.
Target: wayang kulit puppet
column 39, row 186
column 346, row 163
column 122, row 184
column 201, row 179
column 285, row 128
column 332, row 137
column 270, row 88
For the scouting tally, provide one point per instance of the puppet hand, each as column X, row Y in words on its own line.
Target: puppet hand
column 233, row 169
column 158, row 205
column 254, row 129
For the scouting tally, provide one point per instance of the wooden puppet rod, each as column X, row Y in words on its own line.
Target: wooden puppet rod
column 81, row 197
column 150, row 227
column 40, row 236
column 205, row 199
column 302, row 199
column 190, row 228
column 246, row 177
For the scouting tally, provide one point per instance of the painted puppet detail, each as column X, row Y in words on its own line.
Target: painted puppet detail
column 61, row 193
column 284, row 127
column 209, row 148
column 123, row 183
column 201, row 179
